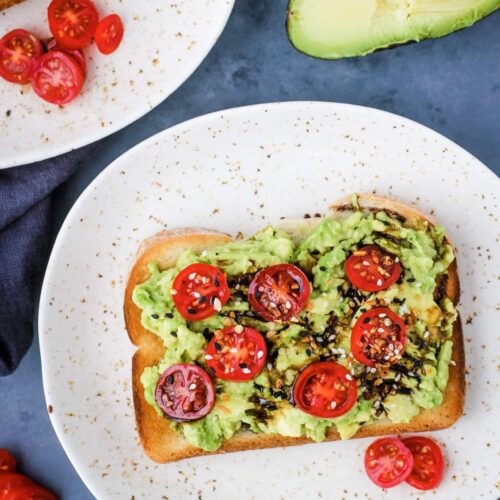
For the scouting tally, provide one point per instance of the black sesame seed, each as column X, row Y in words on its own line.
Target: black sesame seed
column 202, row 299
column 410, row 280
column 170, row 379
column 367, row 319
column 212, row 370
column 190, row 310
column 315, row 252
column 155, row 316
column 216, row 282
column 322, row 268
column 206, row 331
column 217, row 346
column 303, row 333
column 174, row 334
column 308, row 352
column 258, row 294
column 169, row 315
column 243, row 365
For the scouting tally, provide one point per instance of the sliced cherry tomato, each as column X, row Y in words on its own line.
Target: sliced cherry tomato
column 280, row 292
column 72, row 22
column 109, row 33
column 185, row 392
column 11, row 480
column 199, row 291
column 428, row 463
column 378, row 337
column 57, row 78
column 325, row 389
column 388, row 462
column 19, row 52
column 7, row 461
column 372, row 269
column 77, row 54
column 236, row 353
column 29, row 492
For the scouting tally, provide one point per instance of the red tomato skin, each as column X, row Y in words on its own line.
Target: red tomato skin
column 11, row 480
column 384, row 462
column 297, row 274
column 29, row 492
column 356, row 333
column 102, row 34
column 71, row 66
column 36, row 50
column 77, row 54
column 309, row 371
column 238, row 375
column 181, row 282
column 354, row 277
column 413, row 479
column 185, row 369
column 7, row 461
column 58, row 28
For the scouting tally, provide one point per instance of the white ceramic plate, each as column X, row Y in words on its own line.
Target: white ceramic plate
column 164, row 43
column 239, row 170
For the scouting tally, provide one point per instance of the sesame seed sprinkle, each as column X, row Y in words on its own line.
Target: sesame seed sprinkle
column 192, row 387
column 208, row 357
column 238, row 328
column 379, row 282
column 192, row 276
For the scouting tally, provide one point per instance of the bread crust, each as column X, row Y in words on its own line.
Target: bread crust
column 5, row 4
column 162, row 444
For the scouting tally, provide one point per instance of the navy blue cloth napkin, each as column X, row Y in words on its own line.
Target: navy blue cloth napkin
column 25, row 240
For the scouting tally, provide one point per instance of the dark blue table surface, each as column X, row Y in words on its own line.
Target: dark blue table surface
column 451, row 85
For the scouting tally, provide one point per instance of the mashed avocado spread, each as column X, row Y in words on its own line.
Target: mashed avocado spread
column 321, row 331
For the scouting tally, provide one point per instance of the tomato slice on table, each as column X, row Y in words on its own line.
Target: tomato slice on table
column 7, row 461
column 378, row 337
column 77, row 54
column 200, row 291
column 325, row 389
column 109, row 34
column 372, row 269
column 428, row 463
column 58, row 77
column 11, row 480
column 19, row 52
column 29, row 492
column 280, row 292
column 388, row 462
column 236, row 353
column 185, row 392
column 72, row 22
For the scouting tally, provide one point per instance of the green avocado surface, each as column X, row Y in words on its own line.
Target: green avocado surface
column 333, row 29
column 322, row 330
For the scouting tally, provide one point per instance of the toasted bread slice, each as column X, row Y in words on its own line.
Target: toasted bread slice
column 5, row 4
column 163, row 444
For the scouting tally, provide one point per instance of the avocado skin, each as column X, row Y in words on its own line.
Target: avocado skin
column 479, row 10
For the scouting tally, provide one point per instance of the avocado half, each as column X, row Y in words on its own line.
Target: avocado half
column 332, row 29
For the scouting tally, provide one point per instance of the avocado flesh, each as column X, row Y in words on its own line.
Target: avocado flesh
column 332, row 29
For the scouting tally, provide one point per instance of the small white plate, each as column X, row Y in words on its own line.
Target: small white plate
column 164, row 43
column 239, row 170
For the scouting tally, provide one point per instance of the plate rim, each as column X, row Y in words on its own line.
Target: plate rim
column 113, row 165
column 67, row 147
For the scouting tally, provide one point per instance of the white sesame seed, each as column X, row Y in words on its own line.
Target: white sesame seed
column 331, row 337
column 208, row 357
column 192, row 387
column 192, row 276
column 288, row 304
column 396, row 259
column 391, row 347
column 373, row 370
column 217, row 304
column 387, row 322
column 272, row 304
column 237, row 286
column 418, row 284
column 348, row 377
column 426, row 334
column 260, row 354
column 233, row 350
column 246, row 370
column 238, row 328
column 204, row 253
column 366, row 263
column 334, row 350
column 382, row 315
column 196, row 295
column 342, row 356
column 377, row 403
column 387, row 300
column 172, row 292
column 204, row 280
column 333, row 404
column 411, row 373
column 452, row 363
column 293, row 319
column 394, row 386
column 403, row 309
column 380, row 330
column 396, row 351
column 269, row 366
column 379, row 282
column 397, row 378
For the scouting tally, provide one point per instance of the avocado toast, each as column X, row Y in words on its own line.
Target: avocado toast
column 422, row 388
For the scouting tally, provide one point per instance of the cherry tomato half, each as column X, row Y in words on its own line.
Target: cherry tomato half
column 77, row 54
column 109, row 34
column 29, row 492
column 378, row 337
column 200, row 291
column 19, row 52
column 7, row 461
column 325, row 389
column 236, row 353
column 72, row 22
column 428, row 463
column 388, row 462
column 280, row 292
column 372, row 269
column 58, row 77
column 11, row 480
column 185, row 392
